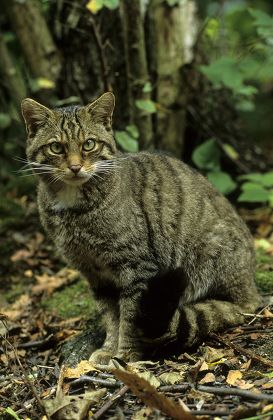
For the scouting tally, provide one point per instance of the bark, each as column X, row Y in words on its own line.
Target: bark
column 173, row 32
column 35, row 38
column 95, row 58
column 11, row 77
column 137, row 69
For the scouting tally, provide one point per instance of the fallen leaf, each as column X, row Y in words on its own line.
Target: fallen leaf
column 151, row 397
column 143, row 414
column 246, row 365
column 82, row 368
column 21, row 255
column 213, row 355
column 233, row 375
column 268, row 385
column 208, row 378
column 149, row 377
column 242, row 384
column 170, row 378
column 267, row 314
column 204, row 366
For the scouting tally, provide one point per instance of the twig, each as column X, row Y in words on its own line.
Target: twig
column 59, row 391
column 36, row 343
column 235, row 391
column 242, row 350
column 26, row 379
column 95, row 380
column 171, row 388
column 115, row 397
column 101, row 52
column 255, row 316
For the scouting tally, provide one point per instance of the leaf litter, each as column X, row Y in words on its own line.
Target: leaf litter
column 230, row 376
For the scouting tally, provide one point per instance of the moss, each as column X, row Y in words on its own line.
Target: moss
column 73, row 300
column 264, row 281
column 264, row 273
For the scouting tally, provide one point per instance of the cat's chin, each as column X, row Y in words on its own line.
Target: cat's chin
column 76, row 181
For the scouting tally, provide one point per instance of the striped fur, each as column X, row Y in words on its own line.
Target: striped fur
column 167, row 257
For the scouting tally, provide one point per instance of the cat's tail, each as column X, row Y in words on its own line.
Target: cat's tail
column 191, row 323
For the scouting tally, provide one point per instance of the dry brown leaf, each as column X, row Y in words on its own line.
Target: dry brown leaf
column 233, row 375
column 242, row 384
column 15, row 311
column 21, row 255
column 213, row 355
column 267, row 314
column 204, row 366
column 74, row 407
column 82, row 368
column 143, row 414
column 268, row 385
column 150, row 396
column 246, row 365
column 50, row 283
column 170, row 378
column 150, row 377
column 208, row 378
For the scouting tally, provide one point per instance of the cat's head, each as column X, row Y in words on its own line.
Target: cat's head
column 71, row 144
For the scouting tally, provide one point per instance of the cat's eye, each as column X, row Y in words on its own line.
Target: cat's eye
column 88, row 145
column 56, row 148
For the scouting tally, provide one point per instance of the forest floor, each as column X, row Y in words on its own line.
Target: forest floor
column 44, row 304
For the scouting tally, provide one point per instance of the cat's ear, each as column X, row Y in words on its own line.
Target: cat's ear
column 102, row 109
column 35, row 115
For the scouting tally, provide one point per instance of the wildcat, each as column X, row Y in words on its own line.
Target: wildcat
column 167, row 257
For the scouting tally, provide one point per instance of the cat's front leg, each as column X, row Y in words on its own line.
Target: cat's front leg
column 130, row 346
column 110, row 316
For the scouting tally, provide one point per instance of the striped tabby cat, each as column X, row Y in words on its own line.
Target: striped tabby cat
column 167, row 257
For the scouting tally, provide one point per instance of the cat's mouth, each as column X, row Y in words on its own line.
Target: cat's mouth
column 76, row 179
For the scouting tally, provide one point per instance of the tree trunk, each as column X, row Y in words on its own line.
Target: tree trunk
column 173, row 32
column 137, row 69
column 35, row 38
column 12, row 78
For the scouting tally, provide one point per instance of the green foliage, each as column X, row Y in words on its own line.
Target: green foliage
column 257, row 188
column 12, row 413
column 5, row 121
column 172, row 2
column 127, row 139
column 222, row 181
column 146, row 105
column 248, row 58
column 207, row 157
column 94, row 6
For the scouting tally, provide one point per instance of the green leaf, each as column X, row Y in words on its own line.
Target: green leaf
column 255, row 176
column 5, row 121
column 250, row 186
column 146, row 105
column 128, row 143
column 230, row 151
column 224, row 71
column 222, row 181
column 132, row 130
column 111, row 4
column 245, row 105
column 147, row 87
column 207, row 156
column 267, row 179
column 258, row 195
column 261, row 18
column 12, row 413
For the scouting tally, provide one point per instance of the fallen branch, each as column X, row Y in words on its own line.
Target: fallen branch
column 242, row 350
column 234, row 391
column 115, row 397
column 95, row 380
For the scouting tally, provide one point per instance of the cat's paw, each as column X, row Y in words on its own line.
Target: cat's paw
column 101, row 357
column 129, row 356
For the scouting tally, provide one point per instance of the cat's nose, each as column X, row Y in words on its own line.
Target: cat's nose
column 75, row 168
